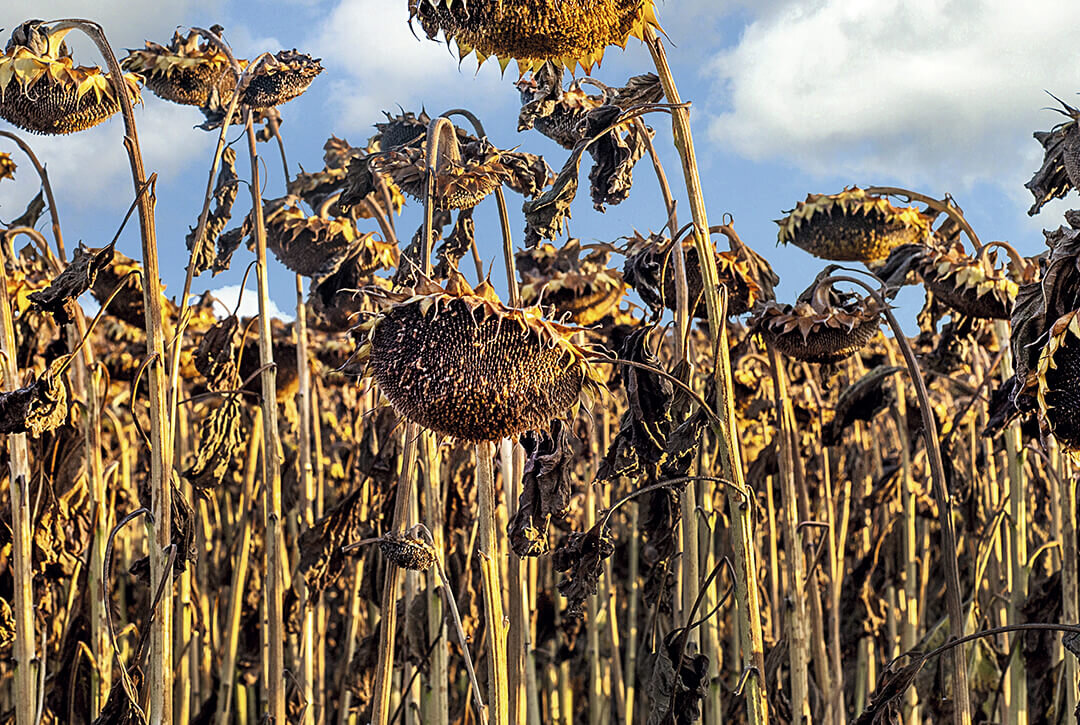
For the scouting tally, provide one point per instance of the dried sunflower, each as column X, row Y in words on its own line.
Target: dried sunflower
column 315, row 246
column 280, row 78
column 464, row 178
column 408, row 550
column 43, row 91
column 1060, row 170
column 824, row 326
column 566, row 32
column 1058, row 375
column 7, row 166
column 852, row 226
column 586, row 289
column 975, row 286
column 650, row 270
column 185, row 71
column 459, row 362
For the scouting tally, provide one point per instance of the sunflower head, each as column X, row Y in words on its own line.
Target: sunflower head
column 7, row 166
column 566, row 32
column 852, row 226
column 1058, row 375
column 650, row 270
column 458, row 362
column 408, row 550
column 43, row 91
column 280, row 78
column 185, row 71
column 974, row 286
column 315, row 246
column 824, row 326
column 583, row 288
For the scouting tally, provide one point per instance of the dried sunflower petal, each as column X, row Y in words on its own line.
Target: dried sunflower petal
column 185, row 71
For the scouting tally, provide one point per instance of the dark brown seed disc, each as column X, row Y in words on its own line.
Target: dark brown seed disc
column 1063, row 393
column 277, row 84
column 407, row 552
column 54, row 108
column 192, row 86
column 823, row 344
column 965, row 301
column 853, row 237
column 470, row 374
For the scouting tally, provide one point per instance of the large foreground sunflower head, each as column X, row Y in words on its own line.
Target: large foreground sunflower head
column 566, row 32
column 457, row 361
column 43, row 91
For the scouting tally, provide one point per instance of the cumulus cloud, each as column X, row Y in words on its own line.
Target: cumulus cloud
column 225, row 300
column 943, row 91
column 379, row 62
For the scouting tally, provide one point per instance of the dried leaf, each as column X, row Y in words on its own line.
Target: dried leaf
column 321, row 558
column 224, row 196
column 220, row 436
column 38, row 407
column 580, row 556
column 887, row 701
column 547, row 484
column 60, row 296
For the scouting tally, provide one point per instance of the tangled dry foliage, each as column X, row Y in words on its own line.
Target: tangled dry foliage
column 777, row 514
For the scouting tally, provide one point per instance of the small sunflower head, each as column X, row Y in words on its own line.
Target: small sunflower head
column 1058, row 376
column 280, row 78
column 824, row 326
column 566, row 32
column 583, row 288
column 852, row 226
column 408, row 550
column 185, row 71
column 315, row 246
column 458, row 362
column 43, row 91
column 7, row 166
column 974, row 286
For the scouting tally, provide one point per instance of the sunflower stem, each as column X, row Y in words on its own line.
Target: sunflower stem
column 953, row 594
column 275, row 554
column 238, row 583
column 742, row 537
column 21, row 524
column 43, row 175
column 161, row 659
column 307, row 498
column 487, row 552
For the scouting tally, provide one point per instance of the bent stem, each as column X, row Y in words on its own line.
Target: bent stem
column 43, row 175
column 946, row 207
column 953, row 595
column 161, row 660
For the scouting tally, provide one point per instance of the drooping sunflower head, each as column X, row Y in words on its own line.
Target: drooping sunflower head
column 852, row 226
column 315, row 246
column 582, row 287
column 1058, row 375
column 408, row 550
column 7, row 166
column 280, row 78
column 825, row 325
column 43, row 91
column 459, row 362
column 975, row 286
column 650, row 270
column 185, row 71
column 567, row 32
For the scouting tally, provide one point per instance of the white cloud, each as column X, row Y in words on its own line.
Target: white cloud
column 225, row 300
column 945, row 91
column 370, row 45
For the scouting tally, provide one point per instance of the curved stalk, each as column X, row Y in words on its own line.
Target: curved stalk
column 161, row 675
column 946, row 207
column 43, row 175
column 953, row 594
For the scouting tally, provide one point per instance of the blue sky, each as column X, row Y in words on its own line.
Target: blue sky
column 789, row 97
